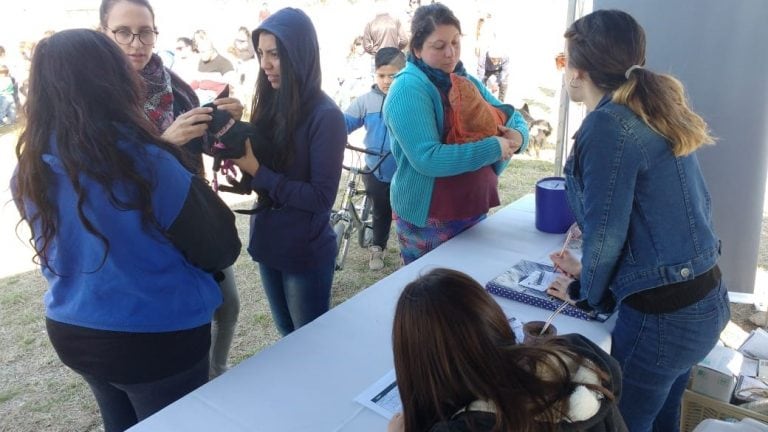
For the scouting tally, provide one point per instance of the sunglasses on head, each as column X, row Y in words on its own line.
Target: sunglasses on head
column 560, row 61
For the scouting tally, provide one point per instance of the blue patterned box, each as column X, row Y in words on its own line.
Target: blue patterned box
column 507, row 285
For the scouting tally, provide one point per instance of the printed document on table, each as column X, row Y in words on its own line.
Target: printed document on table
column 539, row 280
column 383, row 396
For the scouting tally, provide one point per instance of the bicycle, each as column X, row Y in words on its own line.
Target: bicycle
column 354, row 216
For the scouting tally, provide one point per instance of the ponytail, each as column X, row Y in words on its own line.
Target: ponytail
column 610, row 46
column 661, row 102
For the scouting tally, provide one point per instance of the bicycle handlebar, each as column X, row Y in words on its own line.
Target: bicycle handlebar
column 382, row 157
column 363, row 150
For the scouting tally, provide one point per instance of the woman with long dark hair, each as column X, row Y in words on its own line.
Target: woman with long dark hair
column 297, row 174
column 638, row 194
column 113, row 214
column 459, row 367
column 172, row 106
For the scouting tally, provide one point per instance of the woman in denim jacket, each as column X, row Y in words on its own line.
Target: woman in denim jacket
column 636, row 189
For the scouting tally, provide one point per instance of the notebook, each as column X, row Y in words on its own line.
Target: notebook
column 526, row 281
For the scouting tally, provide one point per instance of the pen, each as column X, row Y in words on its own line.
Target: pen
column 565, row 245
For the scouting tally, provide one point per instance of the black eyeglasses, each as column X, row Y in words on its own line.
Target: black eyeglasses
column 126, row 37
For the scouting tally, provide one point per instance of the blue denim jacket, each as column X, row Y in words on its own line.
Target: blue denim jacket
column 644, row 213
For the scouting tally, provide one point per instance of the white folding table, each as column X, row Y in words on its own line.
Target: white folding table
column 308, row 380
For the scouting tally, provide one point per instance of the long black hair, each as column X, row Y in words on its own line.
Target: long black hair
column 81, row 86
column 281, row 107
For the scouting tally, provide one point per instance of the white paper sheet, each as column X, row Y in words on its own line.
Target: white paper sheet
column 756, row 344
column 750, row 389
column 383, row 396
column 539, row 280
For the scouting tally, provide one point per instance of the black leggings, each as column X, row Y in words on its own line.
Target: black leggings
column 378, row 192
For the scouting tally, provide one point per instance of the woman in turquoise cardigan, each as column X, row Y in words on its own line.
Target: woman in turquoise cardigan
column 441, row 188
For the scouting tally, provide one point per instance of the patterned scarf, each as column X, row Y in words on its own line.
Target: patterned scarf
column 439, row 78
column 159, row 102
column 442, row 81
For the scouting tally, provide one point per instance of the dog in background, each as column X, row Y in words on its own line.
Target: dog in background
column 538, row 132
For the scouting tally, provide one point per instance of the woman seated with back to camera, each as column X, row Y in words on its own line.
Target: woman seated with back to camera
column 459, row 367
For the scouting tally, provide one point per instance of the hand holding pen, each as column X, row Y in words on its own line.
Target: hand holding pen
column 562, row 250
column 569, row 266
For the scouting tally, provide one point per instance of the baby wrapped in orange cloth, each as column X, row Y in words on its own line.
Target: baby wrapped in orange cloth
column 471, row 118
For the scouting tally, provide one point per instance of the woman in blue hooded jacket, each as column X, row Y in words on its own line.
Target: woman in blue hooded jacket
column 297, row 175
column 638, row 194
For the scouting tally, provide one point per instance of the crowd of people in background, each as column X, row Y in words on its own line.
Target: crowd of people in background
column 115, row 195
column 207, row 68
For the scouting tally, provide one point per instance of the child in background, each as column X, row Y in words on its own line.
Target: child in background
column 366, row 111
column 356, row 76
column 8, row 97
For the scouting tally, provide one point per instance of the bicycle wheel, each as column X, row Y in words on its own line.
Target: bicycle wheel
column 342, row 242
column 365, row 233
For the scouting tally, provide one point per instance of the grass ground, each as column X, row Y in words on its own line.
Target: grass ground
column 38, row 393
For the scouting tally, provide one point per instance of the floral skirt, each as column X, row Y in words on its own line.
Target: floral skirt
column 416, row 241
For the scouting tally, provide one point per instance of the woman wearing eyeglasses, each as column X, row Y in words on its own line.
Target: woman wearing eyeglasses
column 173, row 107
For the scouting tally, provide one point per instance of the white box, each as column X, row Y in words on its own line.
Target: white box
column 717, row 374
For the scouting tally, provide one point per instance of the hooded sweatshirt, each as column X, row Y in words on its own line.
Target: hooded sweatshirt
column 295, row 235
column 587, row 412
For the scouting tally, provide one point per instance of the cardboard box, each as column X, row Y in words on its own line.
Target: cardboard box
column 716, row 376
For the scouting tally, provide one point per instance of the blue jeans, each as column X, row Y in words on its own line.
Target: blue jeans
column 224, row 323
column 656, row 353
column 124, row 405
column 298, row 298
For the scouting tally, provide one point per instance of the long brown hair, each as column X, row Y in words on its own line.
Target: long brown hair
column 78, row 100
column 605, row 44
column 453, row 345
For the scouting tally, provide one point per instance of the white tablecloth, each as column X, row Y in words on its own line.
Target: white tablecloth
column 308, row 380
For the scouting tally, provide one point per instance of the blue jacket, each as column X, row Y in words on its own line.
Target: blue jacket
column 413, row 112
column 644, row 213
column 366, row 111
column 150, row 280
column 295, row 235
